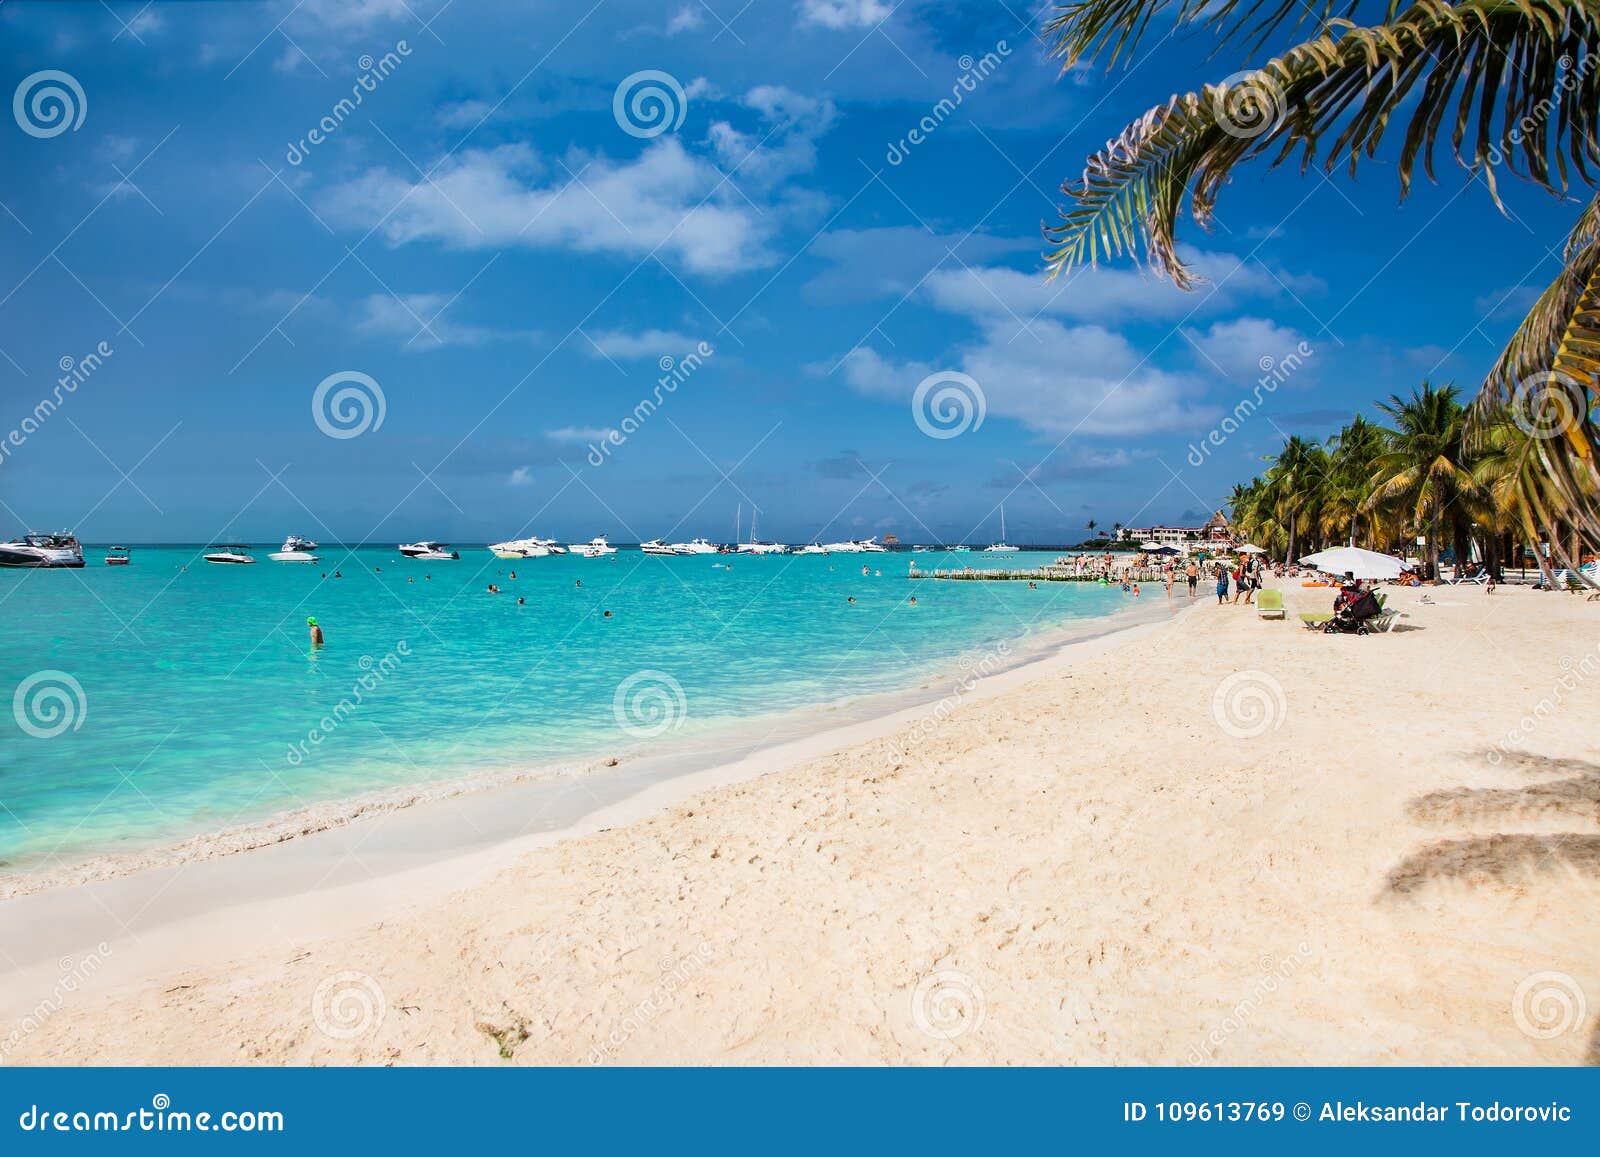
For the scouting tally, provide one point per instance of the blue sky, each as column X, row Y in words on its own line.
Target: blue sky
column 485, row 239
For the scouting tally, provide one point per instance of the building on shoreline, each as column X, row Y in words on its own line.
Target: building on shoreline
column 1216, row 533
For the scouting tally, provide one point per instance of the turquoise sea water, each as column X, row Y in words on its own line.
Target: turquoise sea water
column 174, row 697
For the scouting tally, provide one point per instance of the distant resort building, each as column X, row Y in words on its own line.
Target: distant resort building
column 1216, row 533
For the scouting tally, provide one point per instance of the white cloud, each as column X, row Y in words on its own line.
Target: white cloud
column 665, row 201
column 463, row 114
column 650, row 343
column 419, row 319
column 787, row 144
column 1096, row 293
column 844, row 13
column 582, row 434
column 1055, row 379
column 1246, row 347
column 356, row 13
column 687, row 18
column 521, row 476
column 891, row 262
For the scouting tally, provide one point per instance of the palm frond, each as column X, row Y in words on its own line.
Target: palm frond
column 1539, row 118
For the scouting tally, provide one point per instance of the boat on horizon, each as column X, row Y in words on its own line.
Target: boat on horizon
column 42, row 550
column 295, row 549
column 656, row 546
column 1001, row 547
column 694, row 546
column 427, row 549
column 521, row 548
column 594, row 548
column 118, row 556
column 232, row 552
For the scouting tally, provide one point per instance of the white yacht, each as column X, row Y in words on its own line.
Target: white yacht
column 812, row 548
column 42, row 550
column 295, row 549
column 233, row 552
column 870, row 546
column 594, row 548
column 656, row 546
column 694, row 546
column 433, row 551
column 521, row 548
column 762, row 548
column 1001, row 547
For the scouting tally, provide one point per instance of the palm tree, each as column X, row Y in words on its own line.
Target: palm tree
column 1292, row 479
column 1424, row 472
column 1353, row 455
column 1511, row 85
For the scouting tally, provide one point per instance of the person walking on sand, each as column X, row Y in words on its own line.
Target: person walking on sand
column 1222, row 585
column 1192, row 573
column 1166, row 573
column 316, row 632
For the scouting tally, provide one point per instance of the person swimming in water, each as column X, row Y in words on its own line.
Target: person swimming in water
column 316, row 632
column 608, row 614
column 493, row 590
column 521, row 600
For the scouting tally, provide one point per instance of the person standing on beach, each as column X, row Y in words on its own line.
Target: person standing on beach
column 1192, row 572
column 1222, row 585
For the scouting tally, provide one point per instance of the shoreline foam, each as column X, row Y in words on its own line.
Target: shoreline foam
column 705, row 751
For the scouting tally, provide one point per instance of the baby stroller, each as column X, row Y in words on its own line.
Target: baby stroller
column 1351, row 617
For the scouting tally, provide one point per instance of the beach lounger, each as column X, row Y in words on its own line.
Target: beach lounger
column 1269, row 605
column 1315, row 622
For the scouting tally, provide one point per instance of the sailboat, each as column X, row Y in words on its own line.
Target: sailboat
column 1001, row 547
column 755, row 545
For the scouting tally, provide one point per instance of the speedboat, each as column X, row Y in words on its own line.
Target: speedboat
column 295, row 549
column 812, row 548
column 594, row 548
column 118, row 556
column 43, row 550
column 694, row 546
column 433, row 551
column 870, row 546
column 231, row 552
column 656, row 546
column 762, row 548
column 959, row 549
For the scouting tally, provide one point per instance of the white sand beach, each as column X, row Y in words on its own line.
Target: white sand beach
column 1217, row 840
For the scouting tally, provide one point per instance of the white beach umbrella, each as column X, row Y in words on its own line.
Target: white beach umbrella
column 1364, row 564
column 1249, row 548
column 1152, row 545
